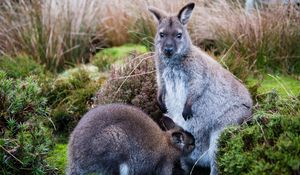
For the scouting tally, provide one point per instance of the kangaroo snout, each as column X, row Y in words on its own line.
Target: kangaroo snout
column 168, row 50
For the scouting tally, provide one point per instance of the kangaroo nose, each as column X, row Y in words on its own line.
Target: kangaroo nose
column 168, row 50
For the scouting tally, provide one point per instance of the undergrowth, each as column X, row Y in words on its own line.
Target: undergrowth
column 25, row 140
column 267, row 145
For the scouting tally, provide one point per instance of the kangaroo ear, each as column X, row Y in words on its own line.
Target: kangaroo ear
column 167, row 123
column 158, row 14
column 178, row 139
column 185, row 13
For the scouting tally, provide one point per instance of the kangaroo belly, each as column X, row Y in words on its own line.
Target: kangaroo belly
column 176, row 95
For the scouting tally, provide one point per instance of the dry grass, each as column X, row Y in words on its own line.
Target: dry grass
column 264, row 39
column 55, row 33
column 61, row 32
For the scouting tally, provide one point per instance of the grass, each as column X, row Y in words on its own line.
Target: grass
column 58, row 158
column 54, row 33
column 283, row 84
column 20, row 66
column 105, row 58
column 59, row 34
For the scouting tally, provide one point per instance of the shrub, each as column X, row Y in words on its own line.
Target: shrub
column 267, row 145
column 134, row 84
column 70, row 97
column 24, row 141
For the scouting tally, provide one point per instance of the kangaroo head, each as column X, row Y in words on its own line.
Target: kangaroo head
column 181, row 139
column 172, row 39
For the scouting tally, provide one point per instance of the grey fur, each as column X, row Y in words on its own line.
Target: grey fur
column 197, row 92
column 121, row 139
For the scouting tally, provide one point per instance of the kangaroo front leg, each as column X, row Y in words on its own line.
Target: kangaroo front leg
column 187, row 110
column 213, row 150
column 161, row 100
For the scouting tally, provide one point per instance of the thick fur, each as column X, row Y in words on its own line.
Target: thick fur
column 195, row 90
column 121, row 139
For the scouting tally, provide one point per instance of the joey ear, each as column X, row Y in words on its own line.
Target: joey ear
column 167, row 123
column 158, row 14
column 185, row 13
column 178, row 139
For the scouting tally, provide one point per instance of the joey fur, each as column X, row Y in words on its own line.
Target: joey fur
column 121, row 139
column 195, row 90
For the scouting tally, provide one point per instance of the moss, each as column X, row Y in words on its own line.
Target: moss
column 58, row 158
column 283, row 84
column 20, row 66
column 105, row 58
column 267, row 145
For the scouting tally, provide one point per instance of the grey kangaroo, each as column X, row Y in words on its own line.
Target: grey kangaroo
column 121, row 139
column 195, row 90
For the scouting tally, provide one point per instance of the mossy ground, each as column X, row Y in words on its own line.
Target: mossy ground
column 283, row 84
column 58, row 157
column 116, row 55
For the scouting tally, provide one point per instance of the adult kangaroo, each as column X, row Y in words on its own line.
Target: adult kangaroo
column 195, row 90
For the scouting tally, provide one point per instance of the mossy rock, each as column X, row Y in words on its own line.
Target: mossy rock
column 105, row 58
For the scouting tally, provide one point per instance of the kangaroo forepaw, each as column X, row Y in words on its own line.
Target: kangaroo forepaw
column 163, row 108
column 187, row 113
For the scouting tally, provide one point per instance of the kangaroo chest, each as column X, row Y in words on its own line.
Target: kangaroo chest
column 176, row 94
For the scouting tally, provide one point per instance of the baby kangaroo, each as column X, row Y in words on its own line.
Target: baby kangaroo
column 121, row 139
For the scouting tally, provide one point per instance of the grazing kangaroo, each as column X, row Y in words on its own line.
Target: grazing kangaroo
column 195, row 90
column 121, row 139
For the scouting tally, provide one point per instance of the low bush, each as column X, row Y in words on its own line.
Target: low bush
column 267, row 145
column 134, row 84
column 24, row 138
column 70, row 97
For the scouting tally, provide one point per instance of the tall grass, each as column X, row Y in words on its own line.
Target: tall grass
column 55, row 33
column 267, row 39
column 61, row 32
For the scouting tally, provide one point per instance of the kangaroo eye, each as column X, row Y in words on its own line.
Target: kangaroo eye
column 161, row 34
column 179, row 35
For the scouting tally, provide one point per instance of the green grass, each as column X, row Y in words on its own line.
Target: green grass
column 122, row 51
column 105, row 58
column 58, row 158
column 283, row 84
column 20, row 66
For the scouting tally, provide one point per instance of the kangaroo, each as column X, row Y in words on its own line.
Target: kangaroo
column 195, row 90
column 121, row 139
